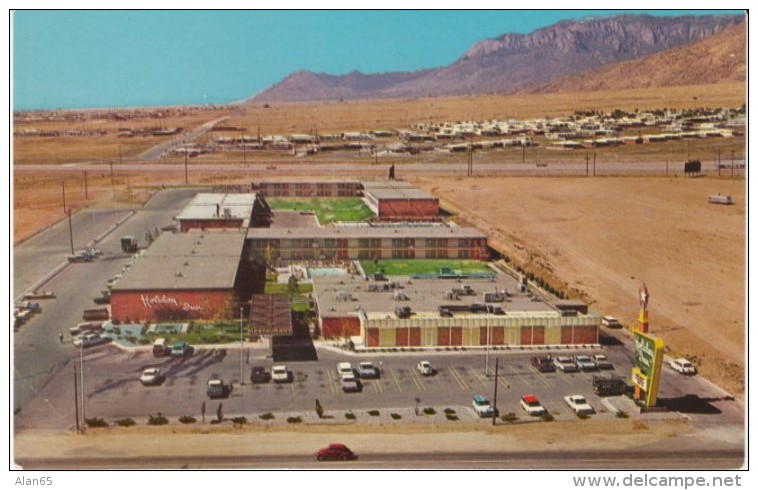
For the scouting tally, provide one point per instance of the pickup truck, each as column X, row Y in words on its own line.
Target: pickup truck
column 579, row 404
column 584, row 363
column 543, row 364
column 345, row 370
column 259, row 375
column 682, row 366
column 350, row 385
column 610, row 322
column 565, row 364
column 90, row 340
column 601, row 361
column 612, row 386
column 367, row 370
column 218, row 389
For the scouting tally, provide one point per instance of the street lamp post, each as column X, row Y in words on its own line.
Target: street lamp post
column 242, row 348
column 487, row 349
column 81, row 380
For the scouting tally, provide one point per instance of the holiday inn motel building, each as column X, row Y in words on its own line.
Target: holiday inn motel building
column 368, row 243
column 359, row 308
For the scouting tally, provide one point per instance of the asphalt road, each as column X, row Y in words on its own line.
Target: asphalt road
column 155, row 152
column 648, row 460
column 37, row 354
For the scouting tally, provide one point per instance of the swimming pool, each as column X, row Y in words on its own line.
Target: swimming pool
column 325, row 271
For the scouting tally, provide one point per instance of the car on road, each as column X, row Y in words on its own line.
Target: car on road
column 90, row 340
column 579, row 404
column 425, row 368
column 338, row 452
column 610, row 322
column 601, row 361
column 151, row 377
column 565, row 364
column 482, row 406
column 103, row 299
column 682, row 366
column 217, row 388
column 532, row 406
column 584, row 363
column 259, row 375
column 85, row 327
column 181, row 349
column 82, row 256
column 367, row 370
column 543, row 364
column 279, row 374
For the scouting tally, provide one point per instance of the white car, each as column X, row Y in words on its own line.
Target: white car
column 151, row 376
column 579, row 404
column 90, row 339
column 279, row 374
column 602, row 362
column 532, row 406
column 345, row 371
column 482, row 406
column 565, row 364
column 682, row 366
column 425, row 368
column 610, row 322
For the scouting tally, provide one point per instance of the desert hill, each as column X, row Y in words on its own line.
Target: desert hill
column 719, row 58
column 513, row 62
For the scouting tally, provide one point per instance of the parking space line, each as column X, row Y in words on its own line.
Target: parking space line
column 331, row 382
column 544, row 379
column 377, row 386
column 482, row 379
column 518, row 374
column 417, row 380
column 392, row 372
column 458, row 379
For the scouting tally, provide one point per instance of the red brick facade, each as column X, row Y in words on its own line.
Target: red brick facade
column 155, row 306
column 211, row 224
column 409, row 210
column 340, row 327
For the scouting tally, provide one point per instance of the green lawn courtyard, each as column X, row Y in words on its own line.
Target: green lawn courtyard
column 423, row 267
column 328, row 210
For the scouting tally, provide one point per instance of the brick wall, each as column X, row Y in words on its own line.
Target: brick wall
column 157, row 306
column 339, row 327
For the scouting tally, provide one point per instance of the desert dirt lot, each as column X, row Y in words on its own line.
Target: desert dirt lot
column 599, row 238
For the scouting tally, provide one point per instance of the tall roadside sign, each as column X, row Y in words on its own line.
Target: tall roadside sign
column 648, row 357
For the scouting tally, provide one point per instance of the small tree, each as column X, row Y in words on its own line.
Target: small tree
column 269, row 257
column 319, row 409
column 292, row 286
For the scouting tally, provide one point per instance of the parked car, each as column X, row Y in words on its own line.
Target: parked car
column 161, row 348
column 531, row 405
column 610, row 322
column 682, row 366
column 103, row 299
column 579, row 404
column 565, row 364
column 601, row 361
column 90, row 340
column 85, row 327
column 350, row 385
column 584, row 363
column 181, row 349
column 279, row 374
column 425, row 368
column 345, row 371
column 151, row 377
column 335, row 452
column 218, row 389
column 367, row 370
column 482, row 406
column 611, row 386
column 259, row 375
column 543, row 364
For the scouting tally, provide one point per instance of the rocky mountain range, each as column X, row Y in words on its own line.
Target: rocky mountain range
column 514, row 62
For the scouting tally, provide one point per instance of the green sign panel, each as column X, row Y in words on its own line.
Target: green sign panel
column 648, row 358
column 644, row 353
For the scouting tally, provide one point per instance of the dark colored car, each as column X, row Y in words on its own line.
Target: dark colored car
column 543, row 364
column 335, row 452
column 259, row 375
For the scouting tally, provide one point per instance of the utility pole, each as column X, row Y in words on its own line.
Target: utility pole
column 494, row 398
column 86, row 194
column 63, row 185
column 186, row 181
column 81, row 378
column 587, row 165
column 70, row 232
column 242, row 348
column 594, row 161
column 76, row 400
column 732, row 163
column 112, row 182
column 719, row 164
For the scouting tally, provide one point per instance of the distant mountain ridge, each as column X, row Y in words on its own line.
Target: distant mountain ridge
column 513, row 62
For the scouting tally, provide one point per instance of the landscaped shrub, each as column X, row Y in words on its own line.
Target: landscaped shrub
column 449, row 411
column 186, row 419
column 294, row 420
column 509, row 418
column 266, row 416
column 349, row 415
column 157, row 420
column 96, row 422
column 451, row 416
column 622, row 414
column 396, row 416
column 239, row 420
column 373, row 413
column 429, row 411
column 125, row 422
column 547, row 417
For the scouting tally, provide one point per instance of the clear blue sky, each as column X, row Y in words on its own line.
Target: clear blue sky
column 70, row 59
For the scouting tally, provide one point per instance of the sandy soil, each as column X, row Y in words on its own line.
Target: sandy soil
column 600, row 237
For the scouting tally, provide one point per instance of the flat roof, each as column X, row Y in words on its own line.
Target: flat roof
column 194, row 260
column 205, row 206
column 424, row 296
column 394, row 189
column 349, row 232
